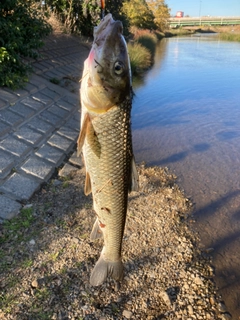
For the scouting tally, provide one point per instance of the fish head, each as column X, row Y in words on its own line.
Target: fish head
column 107, row 73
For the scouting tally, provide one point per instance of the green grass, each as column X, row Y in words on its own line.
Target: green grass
column 140, row 57
column 229, row 36
column 24, row 220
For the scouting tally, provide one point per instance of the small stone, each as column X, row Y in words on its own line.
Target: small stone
column 127, row 314
column 209, row 250
column 35, row 284
column 190, row 309
column 212, row 300
column 85, row 307
column 165, row 298
column 27, row 206
column 67, row 170
column 198, row 281
column 32, row 242
column 56, row 182
column 226, row 316
column 186, row 286
column 221, row 307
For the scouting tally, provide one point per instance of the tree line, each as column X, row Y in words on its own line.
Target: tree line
column 82, row 15
column 23, row 25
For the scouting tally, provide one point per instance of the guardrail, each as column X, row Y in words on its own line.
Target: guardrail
column 203, row 21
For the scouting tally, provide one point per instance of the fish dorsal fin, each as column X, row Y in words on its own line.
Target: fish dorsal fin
column 83, row 133
column 134, row 179
column 88, row 187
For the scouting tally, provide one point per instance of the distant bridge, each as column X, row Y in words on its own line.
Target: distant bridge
column 203, row 21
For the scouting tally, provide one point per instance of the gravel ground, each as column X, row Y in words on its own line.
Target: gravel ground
column 46, row 257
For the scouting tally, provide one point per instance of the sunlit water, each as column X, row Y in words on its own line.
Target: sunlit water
column 186, row 116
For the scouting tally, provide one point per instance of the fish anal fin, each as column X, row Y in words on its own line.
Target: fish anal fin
column 134, row 179
column 83, row 133
column 87, row 187
column 96, row 231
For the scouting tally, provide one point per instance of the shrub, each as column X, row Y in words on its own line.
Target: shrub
column 140, row 57
column 229, row 36
column 21, row 31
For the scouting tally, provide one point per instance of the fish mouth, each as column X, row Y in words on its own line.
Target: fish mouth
column 107, row 30
column 108, row 19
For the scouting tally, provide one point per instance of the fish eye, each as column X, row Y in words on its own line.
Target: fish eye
column 118, row 68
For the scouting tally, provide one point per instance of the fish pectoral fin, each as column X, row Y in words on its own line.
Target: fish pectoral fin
column 83, row 133
column 88, row 186
column 134, row 179
column 104, row 269
column 96, row 231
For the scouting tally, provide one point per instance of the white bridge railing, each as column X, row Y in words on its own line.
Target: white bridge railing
column 203, row 21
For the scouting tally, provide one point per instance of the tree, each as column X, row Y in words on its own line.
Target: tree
column 138, row 14
column 161, row 13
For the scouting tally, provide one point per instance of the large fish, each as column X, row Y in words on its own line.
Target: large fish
column 106, row 143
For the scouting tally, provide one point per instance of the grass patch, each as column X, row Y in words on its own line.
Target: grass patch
column 27, row 263
column 140, row 57
column 229, row 36
column 149, row 41
column 65, row 184
column 22, row 221
column 6, row 301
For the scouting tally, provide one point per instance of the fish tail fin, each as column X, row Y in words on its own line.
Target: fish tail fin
column 104, row 269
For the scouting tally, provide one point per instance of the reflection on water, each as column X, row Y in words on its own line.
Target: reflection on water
column 186, row 115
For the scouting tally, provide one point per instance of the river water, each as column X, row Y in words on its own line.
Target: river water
column 186, row 116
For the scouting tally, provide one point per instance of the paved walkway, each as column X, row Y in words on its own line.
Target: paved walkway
column 39, row 124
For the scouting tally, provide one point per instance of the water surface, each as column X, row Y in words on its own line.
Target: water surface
column 186, row 116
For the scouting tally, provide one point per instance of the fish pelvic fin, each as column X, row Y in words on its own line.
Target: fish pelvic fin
column 83, row 133
column 104, row 269
column 88, row 186
column 96, row 231
column 134, row 179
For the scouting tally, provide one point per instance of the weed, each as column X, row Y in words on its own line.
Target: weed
column 24, row 220
column 65, row 184
column 140, row 57
column 149, row 41
column 88, row 205
column 54, row 80
column 42, row 294
column 12, row 281
column 42, row 315
column 6, row 301
column 54, row 256
column 47, row 205
column 27, row 263
column 61, row 223
column 229, row 36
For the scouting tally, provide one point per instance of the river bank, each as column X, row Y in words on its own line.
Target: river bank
column 47, row 257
